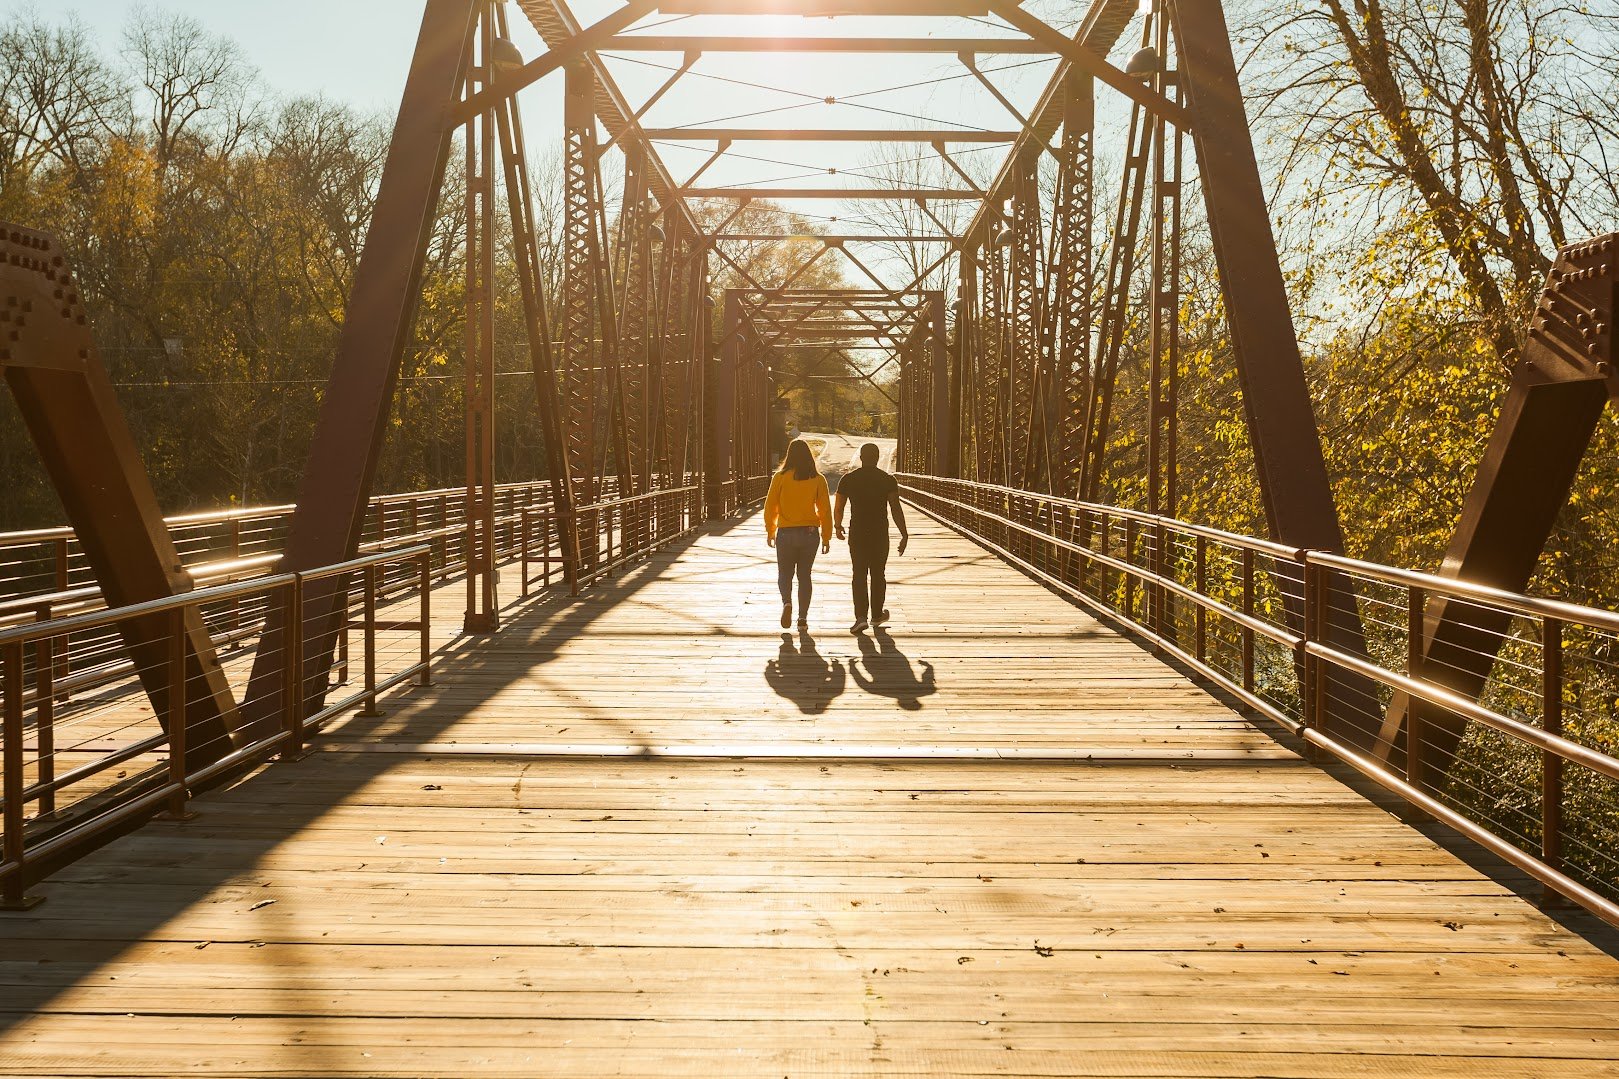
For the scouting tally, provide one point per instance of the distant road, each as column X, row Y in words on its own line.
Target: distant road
column 842, row 453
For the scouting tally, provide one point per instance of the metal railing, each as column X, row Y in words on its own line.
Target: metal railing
column 84, row 754
column 73, row 771
column 1531, row 771
column 49, row 563
column 239, row 545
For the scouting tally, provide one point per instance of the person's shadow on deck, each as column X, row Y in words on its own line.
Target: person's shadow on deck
column 888, row 672
column 803, row 675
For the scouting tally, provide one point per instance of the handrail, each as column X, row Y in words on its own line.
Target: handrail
column 1023, row 527
column 28, row 843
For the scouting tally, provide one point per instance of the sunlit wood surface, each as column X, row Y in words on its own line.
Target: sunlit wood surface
column 643, row 834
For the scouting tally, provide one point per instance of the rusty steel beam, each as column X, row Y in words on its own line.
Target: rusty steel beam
column 71, row 411
column 478, row 143
column 327, row 525
column 836, row 238
column 564, row 35
column 1559, row 389
column 1073, row 283
column 850, row 193
column 1292, row 471
column 1099, row 31
column 985, row 46
column 816, row 134
column 828, row 8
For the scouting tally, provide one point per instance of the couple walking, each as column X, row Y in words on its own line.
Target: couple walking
column 799, row 518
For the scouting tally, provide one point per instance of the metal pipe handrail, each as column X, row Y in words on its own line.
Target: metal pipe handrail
column 929, row 493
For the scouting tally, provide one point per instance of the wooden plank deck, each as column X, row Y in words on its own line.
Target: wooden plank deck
column 641, row 834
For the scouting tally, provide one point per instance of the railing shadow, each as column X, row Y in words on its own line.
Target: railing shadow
column 93, row 902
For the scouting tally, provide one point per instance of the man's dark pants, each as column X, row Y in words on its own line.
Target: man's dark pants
column 868, row 556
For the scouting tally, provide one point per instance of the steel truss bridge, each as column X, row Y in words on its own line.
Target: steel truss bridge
column 371, row 783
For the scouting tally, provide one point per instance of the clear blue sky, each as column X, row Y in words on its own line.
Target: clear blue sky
column 352, row 50
column 358, row 51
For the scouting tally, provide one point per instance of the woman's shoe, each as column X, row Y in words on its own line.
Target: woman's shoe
column 859, row 626
column 786, row 616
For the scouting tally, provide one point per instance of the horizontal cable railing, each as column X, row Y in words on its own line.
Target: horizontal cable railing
column 85, row 753
column 1529, row 769
column 74, row 771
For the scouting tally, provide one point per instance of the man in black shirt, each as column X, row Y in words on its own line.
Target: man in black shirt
column 872, row 493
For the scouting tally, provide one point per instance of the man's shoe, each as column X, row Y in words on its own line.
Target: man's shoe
column 786, row 616
column 859, row 626
column 881, row 619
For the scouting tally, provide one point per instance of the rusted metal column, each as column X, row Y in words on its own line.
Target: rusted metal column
column 1548, row 417
column 1168, row 148
column 482, row 613
column 1292, row 471
column 946, row 450
column 542, row 359
column 582, row 357
column 993, row 371
column 1073, row 282
column 966, row 389
column 1022, row 358
column 325, row 528
column 719, row 467
column 634, row 278
column 71, row 410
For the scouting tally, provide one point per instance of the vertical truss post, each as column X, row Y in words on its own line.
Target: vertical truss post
column 582, row 358
column 942, row 462
column 965, row 387
column 1292, row 470
column 1164, row 314
column 520, row 205
column 483, row 607
column 993, row 366
column 1023, row 315
column 634, row 345
column 1114, row 326
column 719, row 467
column 1074, row 283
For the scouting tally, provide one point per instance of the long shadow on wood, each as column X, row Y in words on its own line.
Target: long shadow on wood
column 35, row 965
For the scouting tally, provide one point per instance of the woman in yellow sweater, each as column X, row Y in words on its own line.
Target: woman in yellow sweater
column 798, row 518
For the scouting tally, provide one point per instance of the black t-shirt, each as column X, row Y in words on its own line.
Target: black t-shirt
column 867, row 489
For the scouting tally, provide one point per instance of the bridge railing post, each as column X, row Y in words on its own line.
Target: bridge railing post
column 14, row 855
column 292, row 669
column 424, row 572
column 1248, row 609
column 1551, row 764
column 370, row 646
column 178, row 794
column 1416, row 605
column 1200, row 613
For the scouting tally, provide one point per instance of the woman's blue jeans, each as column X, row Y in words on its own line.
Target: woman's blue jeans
column 795, row 553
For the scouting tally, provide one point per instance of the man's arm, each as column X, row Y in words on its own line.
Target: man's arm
column 837, row 511
column 898, row 510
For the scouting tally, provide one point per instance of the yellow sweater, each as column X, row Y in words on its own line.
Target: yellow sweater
column 796, row 503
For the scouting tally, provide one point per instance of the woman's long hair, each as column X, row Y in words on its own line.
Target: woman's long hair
column 800, row 459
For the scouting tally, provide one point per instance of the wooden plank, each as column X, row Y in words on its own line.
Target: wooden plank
column 637, row 833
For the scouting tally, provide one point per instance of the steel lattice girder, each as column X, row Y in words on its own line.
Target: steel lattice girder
column 1073, row 282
